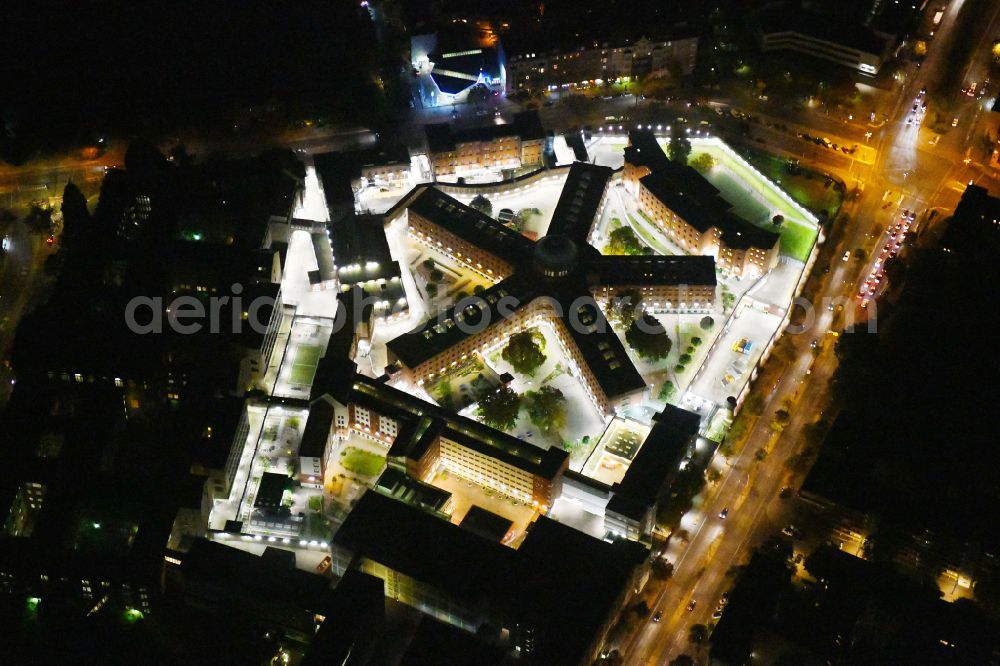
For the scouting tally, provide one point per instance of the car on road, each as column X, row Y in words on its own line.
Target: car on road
column 724, row 513
column 847, row 255
column 691, row 606
column 717, row 613
column 657, row 616
column 324, row 564
column 791, row 531
column 743, row 346
column 814, row 344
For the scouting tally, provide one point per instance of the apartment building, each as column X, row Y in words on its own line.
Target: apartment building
column 596, row 64
column 664, row 283
column 454, row 153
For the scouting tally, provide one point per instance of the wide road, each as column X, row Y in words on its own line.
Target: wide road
column 906, row 172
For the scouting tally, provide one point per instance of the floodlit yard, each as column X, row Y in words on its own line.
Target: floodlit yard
column 582, row 418
column 304, row 366
column 542, row 194
column 727, row 371
column 615, row 451
column 797, row 240
column 306, row 342
column 465, row 494
column 355, row 458
column 757, row 199
column 464, row 386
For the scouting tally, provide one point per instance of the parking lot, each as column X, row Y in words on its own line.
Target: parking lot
column 751, row 324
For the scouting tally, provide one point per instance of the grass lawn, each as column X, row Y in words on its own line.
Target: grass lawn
column 808, row 188
column 361, row 462
column 797, row 240
column 304, row 365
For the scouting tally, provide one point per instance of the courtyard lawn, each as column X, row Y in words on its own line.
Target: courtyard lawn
column 362, row 463
column 304, row 365
column 750, row 180
column 797, row 240
column 757, row 196
column 463, row 386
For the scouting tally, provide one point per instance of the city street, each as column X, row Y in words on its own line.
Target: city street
column 905, row 172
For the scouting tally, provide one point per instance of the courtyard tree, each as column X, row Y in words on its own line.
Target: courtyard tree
column 76, row 218
column 482, row 204
column 547, row 408
column 706, row 323
column 781, row 420
column 499, row 409
column 777, row 220
column 662, row 569
column 624, row 241
column 702, row 163
column 625, row 306
column 667, row 391
column 679, row 146
column 698, row 634
column 648, row 338
column 524, row 351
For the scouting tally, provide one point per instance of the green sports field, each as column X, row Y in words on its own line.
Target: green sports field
column 304, row 365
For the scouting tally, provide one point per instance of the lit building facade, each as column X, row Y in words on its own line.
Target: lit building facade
column 594, row 65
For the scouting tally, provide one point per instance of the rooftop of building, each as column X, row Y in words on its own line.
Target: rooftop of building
column 561, row 29
column 976, row 215
column 399, row 485
column 443, row 138
column 486, row 523
column 319, row 424
column 837, row 27
column 421, row 422
column 353, row 621
column 692, row 270
column 687, row 193
column 337, row 170
column 468, row 223
column 433, row 640
column 531, row 585
column 581, row 195
column 469, row 316
column 657, row 461
column 464, row 50
column 268, row 578
column 361, row 250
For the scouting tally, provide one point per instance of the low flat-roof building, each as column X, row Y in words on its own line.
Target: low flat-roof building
column 825, row 36
column 631, row 511
column 361, row 258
